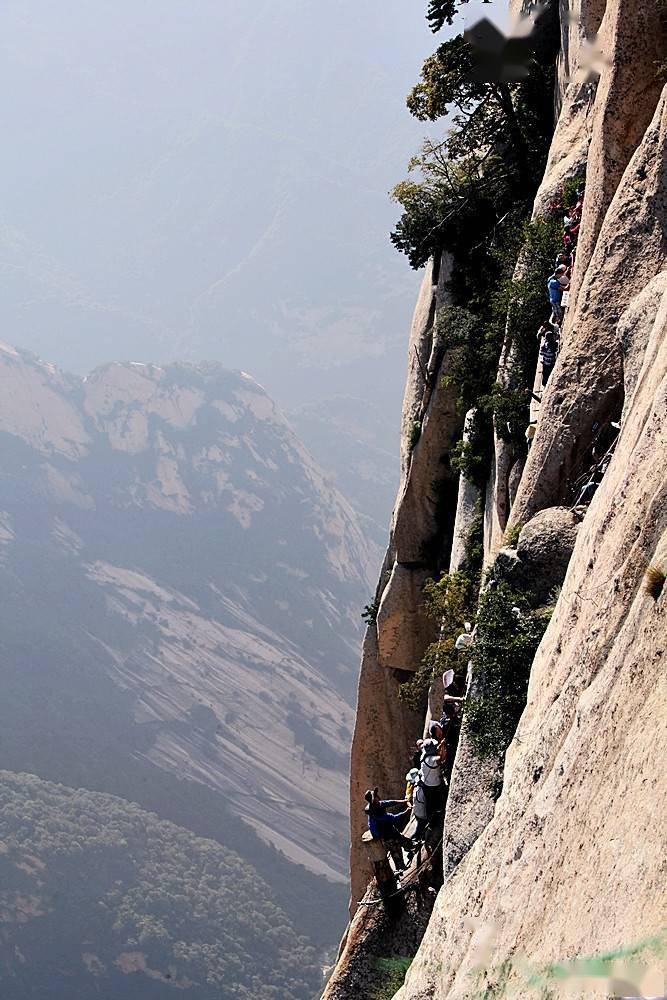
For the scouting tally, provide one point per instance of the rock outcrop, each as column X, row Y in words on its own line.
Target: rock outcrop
column 573, row 861
column 535, row 568
column 538, row 565
column 385, row 726
column 467, row 509
column 630, row 49
column 556, row 851
column 420, row 541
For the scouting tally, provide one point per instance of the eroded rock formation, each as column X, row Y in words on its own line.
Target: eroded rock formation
column 421, row 538
column 568, row 859
column 573, row 861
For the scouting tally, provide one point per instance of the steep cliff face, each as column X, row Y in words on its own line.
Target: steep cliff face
column 422, row 530
column 573, row 860
column 568, row 860
column 588, row 384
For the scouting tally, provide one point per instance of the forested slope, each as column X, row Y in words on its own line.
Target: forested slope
column 100, row 898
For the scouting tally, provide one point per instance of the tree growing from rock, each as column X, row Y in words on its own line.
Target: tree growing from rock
column 487, row 165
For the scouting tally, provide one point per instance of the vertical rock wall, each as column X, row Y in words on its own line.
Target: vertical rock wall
column 569, row 860
column 587, row 383
column 420, row 543
column 572, row 862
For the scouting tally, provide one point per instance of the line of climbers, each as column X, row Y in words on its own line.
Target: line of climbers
column 593, row 463
column 558, row 290
column 421, row 811
column 403, row 826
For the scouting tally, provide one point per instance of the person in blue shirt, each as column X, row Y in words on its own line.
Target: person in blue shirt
column 555, row 289
column 385, row 823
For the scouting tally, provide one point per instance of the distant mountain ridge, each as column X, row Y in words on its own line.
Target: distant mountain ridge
column 180, row 590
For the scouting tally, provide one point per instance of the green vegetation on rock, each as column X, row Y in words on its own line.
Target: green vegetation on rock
column 448, row 602
column 509, row 314
column 414, row 434
column 506, row 640
column 522, row 306
column 512, row 535
column 470, row 195
column 392, row 972
column 570, row 188
column 370, row 612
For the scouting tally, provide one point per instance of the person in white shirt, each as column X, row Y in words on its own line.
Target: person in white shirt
column 432, row 780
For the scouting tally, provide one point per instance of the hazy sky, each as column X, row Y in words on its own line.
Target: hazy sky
column 208, row 179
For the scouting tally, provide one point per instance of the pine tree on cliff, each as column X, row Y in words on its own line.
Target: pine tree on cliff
column 485, row 110
column 494, row 92
column 441, row 12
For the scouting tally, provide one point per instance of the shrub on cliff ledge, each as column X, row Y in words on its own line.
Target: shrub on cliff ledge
column 392, row 972
column 414, row 433
column 448, row 602
column 507, row 303
column 520, row 306
column 473, row 347
column 370, row 612
column 506, row 640
column 570, row 188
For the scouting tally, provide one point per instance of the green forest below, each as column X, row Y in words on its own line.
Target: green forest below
column 100, row 898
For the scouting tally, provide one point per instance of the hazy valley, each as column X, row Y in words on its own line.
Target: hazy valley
column 181, row 591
